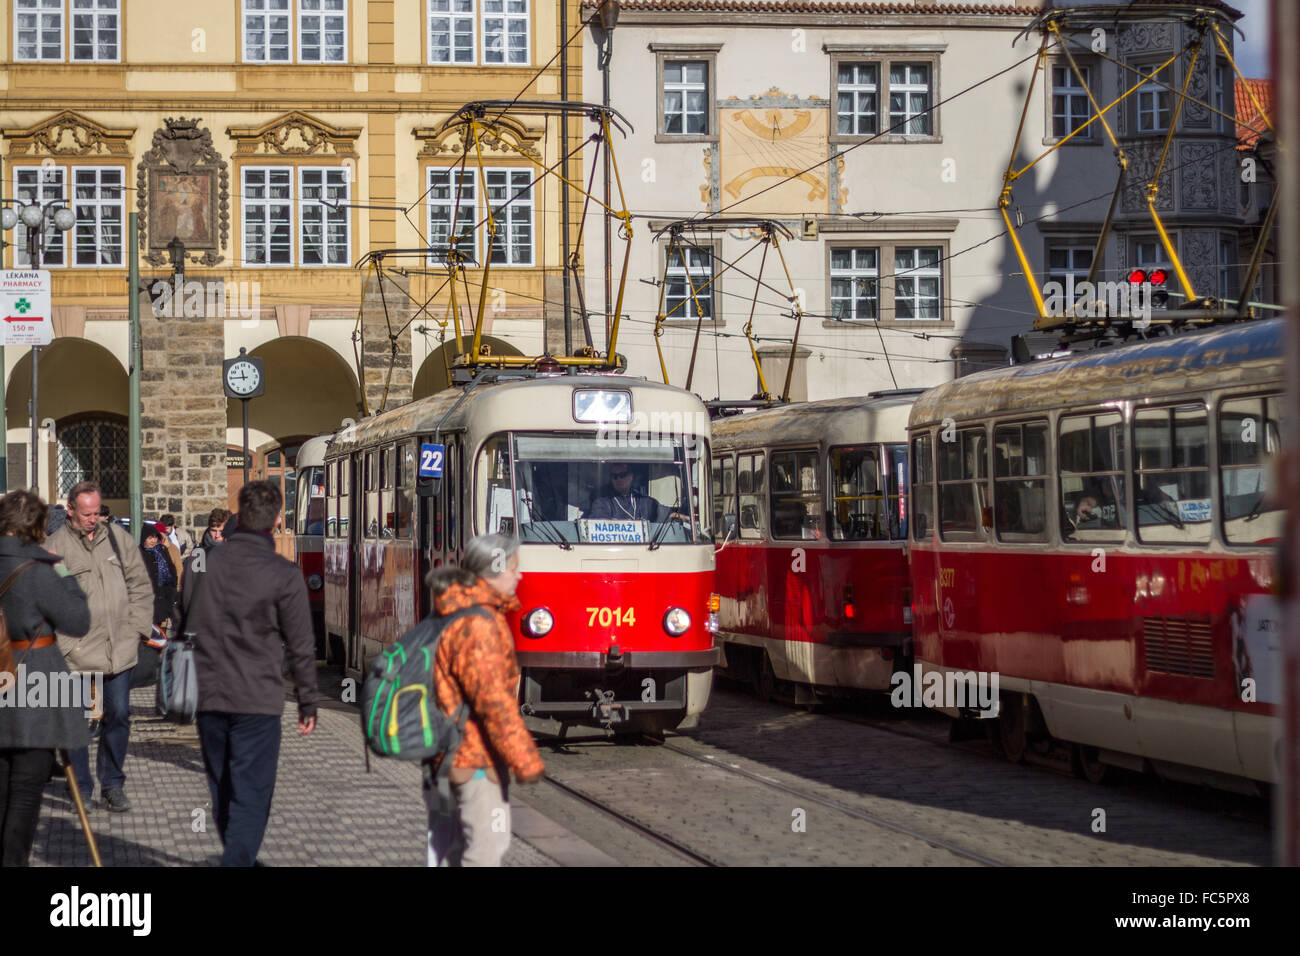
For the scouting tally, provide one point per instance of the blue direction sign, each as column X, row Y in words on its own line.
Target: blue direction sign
column 431, row 457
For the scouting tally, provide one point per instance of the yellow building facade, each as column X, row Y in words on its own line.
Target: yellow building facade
column 284, row 143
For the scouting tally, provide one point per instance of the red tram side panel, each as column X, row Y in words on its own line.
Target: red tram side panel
column 1146, row 633
column 812, row 519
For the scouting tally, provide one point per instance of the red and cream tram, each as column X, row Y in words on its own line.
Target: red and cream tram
column 1098, row 532
column 309, row 531
column 810, row 504
column 616, row 628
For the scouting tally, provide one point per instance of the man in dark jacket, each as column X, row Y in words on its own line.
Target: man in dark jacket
column 245, row 607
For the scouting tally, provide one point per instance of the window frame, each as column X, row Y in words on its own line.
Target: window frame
column 319, row 16
column 1136, row 473
column 818, row 493
column 244, row 202
column 886, row 283
column 67, row 241
column 893, row 520
column 1044, row 477
column 1124, row 473
column 854, row 247
column 707, row 53
column 757, row 460
column 67, row 30
column 1092, row 77
column 979, row 482
column 478, row 15
column 1149, row 88
column 886, row 56
column 1265, row 463
column 297, row 221
column 300, row 204
column 40, row 10
column 724, row 462
column 687, row 318
column 481, row 252
column 266, row 14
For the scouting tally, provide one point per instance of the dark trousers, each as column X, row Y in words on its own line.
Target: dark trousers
column 240, row 752
column 114, row 733
column 22, row 779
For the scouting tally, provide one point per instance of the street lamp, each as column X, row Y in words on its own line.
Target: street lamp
column 34, row 216
column 602, row 24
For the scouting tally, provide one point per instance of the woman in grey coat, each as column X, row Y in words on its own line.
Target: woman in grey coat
column 42, row 706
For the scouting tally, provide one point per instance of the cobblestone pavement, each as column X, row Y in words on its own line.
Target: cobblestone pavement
column 327, row 809
column 947, row 805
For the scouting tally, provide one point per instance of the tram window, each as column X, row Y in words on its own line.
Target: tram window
column 1172, row 486
column 404, row 496
column 749, row 494
column 963, row 486
column 1020, row 481
column 1091, row 458
column 724, row 498
column 451, row 486
column 797, row 507
column 1250, row 431
column 387, row 479
column 922, row 487
column 497, row 502
column 331, row 499
column 345, row 497
column 370, row 521
column 862, row 507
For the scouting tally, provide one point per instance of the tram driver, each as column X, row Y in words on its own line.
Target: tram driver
column 625, row 502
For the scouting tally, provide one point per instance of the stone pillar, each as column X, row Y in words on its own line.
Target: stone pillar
column 775, row 359
column 377, row 355
column 183, row 417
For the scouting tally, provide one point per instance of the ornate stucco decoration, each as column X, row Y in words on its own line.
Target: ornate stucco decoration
column 295, row 134
column 183, row 192
column 504, row 138
column 68, row 134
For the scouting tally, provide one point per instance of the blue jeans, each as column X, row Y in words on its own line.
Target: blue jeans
column 240, row 752
column 114, row 733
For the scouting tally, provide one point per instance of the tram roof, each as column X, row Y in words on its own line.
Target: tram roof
column 312, row 451
column 876, row 417
column 1245, row 354
column 515, row 404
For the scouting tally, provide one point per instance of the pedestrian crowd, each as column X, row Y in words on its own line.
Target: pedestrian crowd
column 84, row 604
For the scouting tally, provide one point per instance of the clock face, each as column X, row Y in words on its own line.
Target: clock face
column 242, row 378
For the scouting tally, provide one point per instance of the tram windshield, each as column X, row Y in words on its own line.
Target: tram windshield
column 311, row 500
column 589, row 489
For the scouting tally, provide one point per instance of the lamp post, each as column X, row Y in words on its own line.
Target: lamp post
column 34, row 216
column 602, row 26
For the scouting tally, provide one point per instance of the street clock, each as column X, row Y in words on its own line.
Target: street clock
column 243, row 377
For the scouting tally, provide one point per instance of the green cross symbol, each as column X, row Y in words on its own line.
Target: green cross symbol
column 22, row 305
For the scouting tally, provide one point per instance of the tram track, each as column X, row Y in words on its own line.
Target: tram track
column 629, row 822
column 858, row 814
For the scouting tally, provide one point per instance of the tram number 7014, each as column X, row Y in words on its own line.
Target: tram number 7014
column 606, row 616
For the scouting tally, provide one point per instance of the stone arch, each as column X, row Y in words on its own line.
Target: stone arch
column 432, row 376
column 309, row 389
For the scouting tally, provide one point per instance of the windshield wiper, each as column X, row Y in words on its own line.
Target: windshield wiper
column 664, row 526
column 553, row 533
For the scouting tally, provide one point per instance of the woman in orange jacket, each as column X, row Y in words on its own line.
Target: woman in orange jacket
column 476, row 665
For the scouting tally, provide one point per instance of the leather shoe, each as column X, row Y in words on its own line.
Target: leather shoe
column 115, row 799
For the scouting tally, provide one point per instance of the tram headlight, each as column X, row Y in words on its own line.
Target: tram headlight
column 538, row 622
column 677, row 622
column 315, row 582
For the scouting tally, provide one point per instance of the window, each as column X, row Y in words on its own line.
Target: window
column 94, row 449
column 266, row 31
column 268, row 216
column 749, row 496
column 686, row 97
column 922, row 488
column 1070, row 106
column 322, row 31
column 326, row 237
column 1250, row 434
column 1090, row 456
column 857, row 91
column 1223, row 82
column 855, row 283
column 1066, row 261
column 918, row 282
column 724, row 498
column 454, row 206
column 909, row 98
column 1227, row 269
column 797, row 509
column 454, row 26
column 963, row 486
column 370, row 520
column 387, row 482
column 866, row 485
column 1020, row 481
column 1155, row 102
column 688, row 292
column 97, row 200
column 40, row 184
column 451, row 484
column 404, row 507
column 1172, row 481
column 345, row 497
column 39, row 30
column 323, row 222
column 332, row 499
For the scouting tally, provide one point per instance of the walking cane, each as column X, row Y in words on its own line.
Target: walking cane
column 62, row 757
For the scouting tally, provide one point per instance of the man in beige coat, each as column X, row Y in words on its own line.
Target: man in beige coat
column 108, row 566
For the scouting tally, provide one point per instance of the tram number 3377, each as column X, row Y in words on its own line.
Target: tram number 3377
column 606, row 616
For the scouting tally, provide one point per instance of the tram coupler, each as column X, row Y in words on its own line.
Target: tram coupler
column 606, row 711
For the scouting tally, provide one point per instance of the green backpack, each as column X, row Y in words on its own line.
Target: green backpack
column 399, row 708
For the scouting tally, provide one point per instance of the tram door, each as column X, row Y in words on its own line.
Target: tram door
column 358, row 482
column 278, row 468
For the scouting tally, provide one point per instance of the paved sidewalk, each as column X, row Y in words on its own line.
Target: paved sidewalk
column 327, row 810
